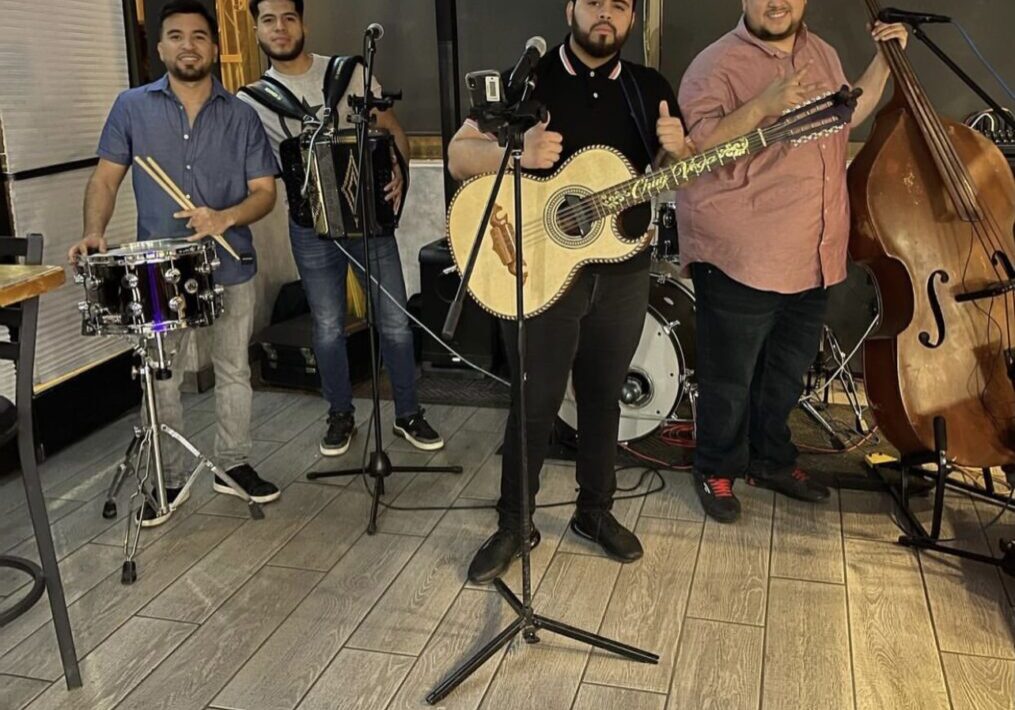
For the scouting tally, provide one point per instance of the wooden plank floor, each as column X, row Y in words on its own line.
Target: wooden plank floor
column 793, row 607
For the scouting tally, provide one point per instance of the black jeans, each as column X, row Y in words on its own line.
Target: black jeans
column 754, row 348
column 592, row 332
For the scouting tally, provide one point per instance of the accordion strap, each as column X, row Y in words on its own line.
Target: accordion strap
column 276, row 96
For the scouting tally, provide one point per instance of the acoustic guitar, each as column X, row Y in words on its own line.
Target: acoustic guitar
column 572, row 218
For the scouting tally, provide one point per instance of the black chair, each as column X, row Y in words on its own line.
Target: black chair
column 21, row 321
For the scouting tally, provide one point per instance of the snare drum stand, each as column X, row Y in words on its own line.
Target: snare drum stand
column 819, row 383
column 144, row 455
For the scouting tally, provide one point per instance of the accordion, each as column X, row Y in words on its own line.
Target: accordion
column 330, row 203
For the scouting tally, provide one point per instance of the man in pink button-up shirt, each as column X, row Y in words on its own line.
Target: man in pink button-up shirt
column 764, row 239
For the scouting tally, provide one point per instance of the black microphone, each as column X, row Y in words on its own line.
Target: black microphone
column 891, row 15
column 375, row 31
column 535, row 48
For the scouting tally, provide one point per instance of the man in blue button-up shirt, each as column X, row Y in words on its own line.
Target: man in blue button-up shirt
column 214, row 148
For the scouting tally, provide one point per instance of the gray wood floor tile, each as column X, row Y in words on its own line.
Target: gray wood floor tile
column 895, row 658
column 999, row 528
column 647, row 609
column 116, row 667
column 358, row 680
column 407, row 614
column 719, row 666
column 467, row 449
column 105, row 608
column 299, row 651
column 70, row 532
column 677, row 501
column 597, row 697
column 575, row 591
column 485, row 485
column 307, row 411
column 16, row 693
column 980, row 683
column 867, row 515
column 807, row 663
column 731, row 580
column 205, row 586
column 79, row 572
column 203, row 664
column 330, row 535
column 474, row 619
column 16, row 525
column 807, row 540
column 489, row 419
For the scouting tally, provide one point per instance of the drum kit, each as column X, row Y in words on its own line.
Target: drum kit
column 143, row 292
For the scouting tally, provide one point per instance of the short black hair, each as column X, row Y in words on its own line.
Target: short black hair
column 255, row 7
column 189, row 7
column 634, row 3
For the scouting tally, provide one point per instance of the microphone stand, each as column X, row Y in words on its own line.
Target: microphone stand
column 511, row 125
column 960, row 73
column 380, row 466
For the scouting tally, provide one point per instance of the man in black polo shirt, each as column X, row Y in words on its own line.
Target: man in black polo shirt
column 593, row 98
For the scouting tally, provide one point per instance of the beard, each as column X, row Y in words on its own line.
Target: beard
column 766, row 36
column 296, row 51
column 189, row 73
column 600, row 47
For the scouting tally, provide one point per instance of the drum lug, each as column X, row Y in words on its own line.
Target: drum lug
column 190, row 286
column 215, row 263
column 79, row 278
column 135, row 308
column 129, row 281
column 219, row 289
column 92, row 283
column 177, row 305
column 172, row 276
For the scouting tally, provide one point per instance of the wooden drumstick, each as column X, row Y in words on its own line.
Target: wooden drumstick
column 156, row 173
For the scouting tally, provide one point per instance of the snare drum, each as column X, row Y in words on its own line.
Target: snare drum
column 150, row 287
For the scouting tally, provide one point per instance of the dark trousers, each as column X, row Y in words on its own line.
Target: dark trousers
column 592, row 332
column 754, row 348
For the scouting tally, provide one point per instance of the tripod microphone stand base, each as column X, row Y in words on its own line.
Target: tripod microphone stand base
column 528, row 624
column 378, row 469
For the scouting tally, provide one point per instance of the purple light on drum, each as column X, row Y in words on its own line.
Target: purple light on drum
column 154, row 281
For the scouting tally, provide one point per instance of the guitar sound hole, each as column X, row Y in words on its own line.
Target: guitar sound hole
column 572, row 219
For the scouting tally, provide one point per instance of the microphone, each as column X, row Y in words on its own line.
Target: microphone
column 535, row 48
column 891, row 15
column 375, row 31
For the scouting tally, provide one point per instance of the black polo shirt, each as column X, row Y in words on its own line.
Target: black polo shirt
column 589, row 107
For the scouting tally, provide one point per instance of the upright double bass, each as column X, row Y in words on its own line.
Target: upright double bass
column 933, row 205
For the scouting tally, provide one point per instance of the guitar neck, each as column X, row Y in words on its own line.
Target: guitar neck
column 643, row 189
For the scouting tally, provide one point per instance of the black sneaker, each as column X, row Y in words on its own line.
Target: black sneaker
column 716, row 496
column 259, row 490
column 151, row 519
column 341, row 429
column 602, row 528
column 796, row 484
column 417, row 432
column 494, row 558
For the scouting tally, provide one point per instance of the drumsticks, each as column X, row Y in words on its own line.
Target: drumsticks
column 156, row 173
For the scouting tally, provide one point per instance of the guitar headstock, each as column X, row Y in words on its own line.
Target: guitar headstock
column 821, row 117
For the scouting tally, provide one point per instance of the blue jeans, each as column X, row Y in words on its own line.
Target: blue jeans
column 323, row 268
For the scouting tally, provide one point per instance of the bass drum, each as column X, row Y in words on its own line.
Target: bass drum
column 656, row 379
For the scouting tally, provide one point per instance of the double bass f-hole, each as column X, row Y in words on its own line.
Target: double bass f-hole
column 935, row 305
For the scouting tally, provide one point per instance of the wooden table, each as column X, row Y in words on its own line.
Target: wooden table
column 19, row 283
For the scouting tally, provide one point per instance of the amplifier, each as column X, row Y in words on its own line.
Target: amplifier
column 998, row 131
column 478, row 335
